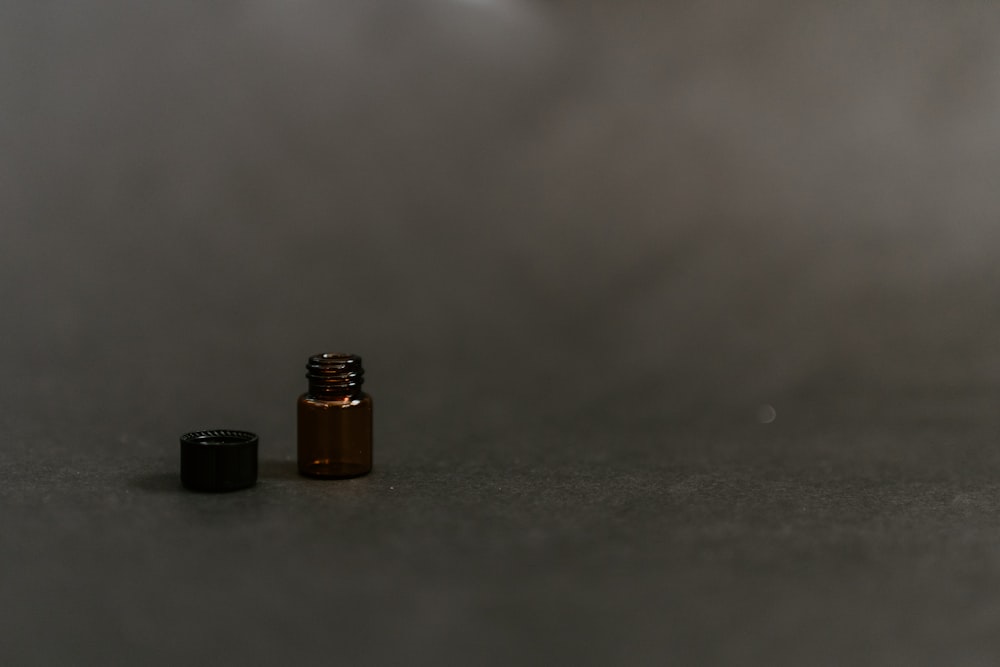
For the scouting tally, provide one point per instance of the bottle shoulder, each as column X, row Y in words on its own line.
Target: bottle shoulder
column 361, row 400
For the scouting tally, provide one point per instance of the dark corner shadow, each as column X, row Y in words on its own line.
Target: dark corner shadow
column 170, row 482
column 157, row 482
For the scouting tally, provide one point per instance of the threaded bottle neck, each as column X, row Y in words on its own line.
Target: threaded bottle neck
column 333, row 375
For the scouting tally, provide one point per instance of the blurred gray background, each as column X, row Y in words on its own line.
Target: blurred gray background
column 679, row 319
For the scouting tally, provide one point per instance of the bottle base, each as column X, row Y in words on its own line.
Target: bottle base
column 333, row 469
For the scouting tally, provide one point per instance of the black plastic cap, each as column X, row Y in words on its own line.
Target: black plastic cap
column 219, row 460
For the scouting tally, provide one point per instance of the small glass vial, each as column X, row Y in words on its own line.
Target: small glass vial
column 335, row 419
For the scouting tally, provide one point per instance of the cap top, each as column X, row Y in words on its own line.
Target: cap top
column 219, row 437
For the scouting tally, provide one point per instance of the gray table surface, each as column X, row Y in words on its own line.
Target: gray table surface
column 680, row 325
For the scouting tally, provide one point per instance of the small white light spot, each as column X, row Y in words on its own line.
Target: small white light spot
column 392, row 488
column 766, row 414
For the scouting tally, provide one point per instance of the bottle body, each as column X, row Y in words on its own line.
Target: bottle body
column 335, row 436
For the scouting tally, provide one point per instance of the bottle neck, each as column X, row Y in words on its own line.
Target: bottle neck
column 334, row 377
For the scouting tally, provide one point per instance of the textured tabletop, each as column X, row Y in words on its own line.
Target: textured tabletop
column 680, row 327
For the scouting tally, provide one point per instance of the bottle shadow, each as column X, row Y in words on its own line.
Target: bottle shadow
column 275, row 469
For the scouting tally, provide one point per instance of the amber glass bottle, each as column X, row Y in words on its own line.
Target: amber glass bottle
column 335, row 419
